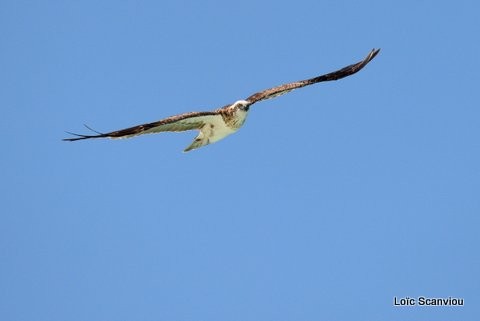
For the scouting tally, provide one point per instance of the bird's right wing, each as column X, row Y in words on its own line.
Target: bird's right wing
column 177, row 123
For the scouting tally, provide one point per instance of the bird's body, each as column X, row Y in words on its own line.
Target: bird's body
column 217, row 124
column 226, row 121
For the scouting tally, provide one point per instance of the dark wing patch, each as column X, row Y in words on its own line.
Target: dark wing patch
column 285, row 88
column 177, row 123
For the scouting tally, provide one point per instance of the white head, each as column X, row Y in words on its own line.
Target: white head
column 242, row 105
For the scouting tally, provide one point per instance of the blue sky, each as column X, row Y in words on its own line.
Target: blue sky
column 327, row 204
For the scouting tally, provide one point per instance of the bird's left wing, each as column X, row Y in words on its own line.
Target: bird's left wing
column 177, row 123
column 285, row 88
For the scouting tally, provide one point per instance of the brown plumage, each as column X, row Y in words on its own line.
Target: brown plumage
column 217, row 124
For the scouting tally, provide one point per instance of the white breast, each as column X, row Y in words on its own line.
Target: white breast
column 216, row 129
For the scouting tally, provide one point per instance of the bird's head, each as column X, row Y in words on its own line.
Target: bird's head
column 242, row 105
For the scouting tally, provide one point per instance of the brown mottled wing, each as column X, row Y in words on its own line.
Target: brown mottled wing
column 283, row 89
column 177, row 123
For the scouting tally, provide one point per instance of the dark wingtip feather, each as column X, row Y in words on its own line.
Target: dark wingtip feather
column 93, row 130
column 359, row 66
column 373, row 53
column 80, row 137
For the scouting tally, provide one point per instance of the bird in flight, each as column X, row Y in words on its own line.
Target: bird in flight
column 219, row 123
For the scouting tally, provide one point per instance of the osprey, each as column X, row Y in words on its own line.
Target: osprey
column 218, row 124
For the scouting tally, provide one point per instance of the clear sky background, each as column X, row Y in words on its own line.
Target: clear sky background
column 327, row 204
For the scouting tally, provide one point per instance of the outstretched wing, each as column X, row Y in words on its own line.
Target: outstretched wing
column 177, row 123
column 285, row 88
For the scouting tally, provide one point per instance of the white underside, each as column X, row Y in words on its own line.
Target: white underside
column 214, row 130
column 220, row 129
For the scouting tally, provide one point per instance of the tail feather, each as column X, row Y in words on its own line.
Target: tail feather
column 198, row 142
